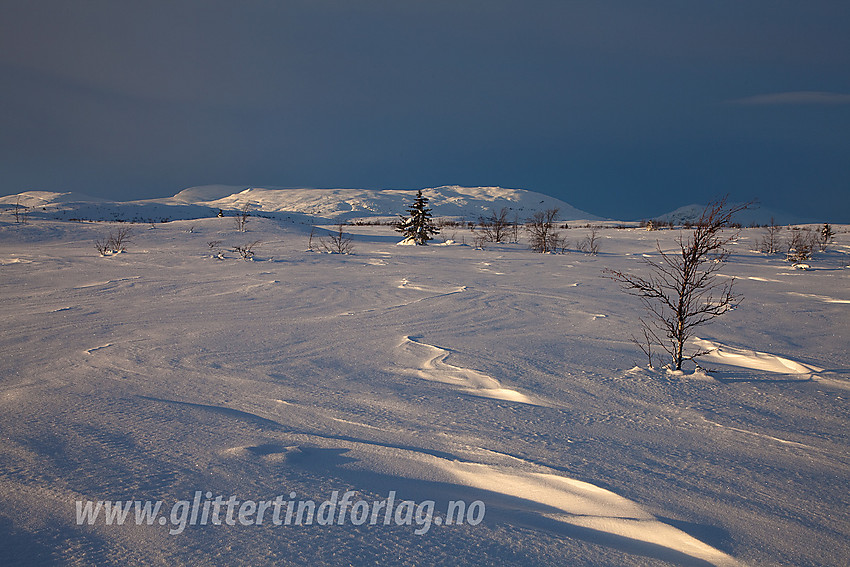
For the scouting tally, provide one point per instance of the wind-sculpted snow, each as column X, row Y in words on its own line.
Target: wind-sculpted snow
column 585, row 505
column 429, row 362
column 436, row 373
column 755, row 360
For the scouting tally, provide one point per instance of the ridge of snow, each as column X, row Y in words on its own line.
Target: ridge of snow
column 753, row 215
column 347, row 204
column 334, row 205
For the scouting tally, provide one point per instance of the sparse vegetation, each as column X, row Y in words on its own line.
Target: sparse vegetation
column 338, row 242
column 241, row 218
column 246, row 251
column 770, row 241
column 801, row 246
column 21, row 213
column 311, row 238
column 495, row 228
column 215, row 249
column 115, row 243
column 825, row 237
column 682, row 291
column 590, row 243
column 543, row 236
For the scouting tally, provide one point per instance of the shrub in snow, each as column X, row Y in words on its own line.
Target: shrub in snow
column 770, row 239
column 115, row 243
column 418, row 228
column 543, row 235
column 496, row 227
column 590, row 243
column 682, row 290
column 337, row 243
column 246, row 251
column 241, row 217
column 801, row 246
column 215, row 249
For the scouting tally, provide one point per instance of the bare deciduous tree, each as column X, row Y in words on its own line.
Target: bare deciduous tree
column 543, row 235
column 770, row 239
column 241, row 217
column 682, row 291
column 496, row 226
column 21, row 212
column 590, row 243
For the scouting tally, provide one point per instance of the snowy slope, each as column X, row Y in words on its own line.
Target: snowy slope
column 753, row 215
column 438, row 373
column 75, row 206
column 328, row 204
column 347, row 204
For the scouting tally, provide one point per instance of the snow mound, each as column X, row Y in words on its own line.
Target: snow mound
column 546, row 497
column 585, row 505
column 752, row 359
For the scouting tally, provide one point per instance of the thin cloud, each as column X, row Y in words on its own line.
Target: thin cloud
column 794, row 97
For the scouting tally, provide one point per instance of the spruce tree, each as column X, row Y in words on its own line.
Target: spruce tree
column 417, row 227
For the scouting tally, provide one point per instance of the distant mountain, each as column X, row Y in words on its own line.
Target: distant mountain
column 347, row 204
column 76, row 206
column 752, row 215
column 333, row 205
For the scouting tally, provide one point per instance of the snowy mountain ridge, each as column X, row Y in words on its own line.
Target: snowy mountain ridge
column 328, row 204
column 754, row 214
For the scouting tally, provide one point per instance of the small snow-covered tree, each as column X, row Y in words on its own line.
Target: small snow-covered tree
column 825, row 237
column 417, row 227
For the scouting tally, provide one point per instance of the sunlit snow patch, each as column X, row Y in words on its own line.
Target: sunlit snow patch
column 824, row 298
column 585, row 505
column 429, row 362
column 753, row 359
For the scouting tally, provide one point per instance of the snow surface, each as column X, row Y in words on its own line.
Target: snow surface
column 439, row 372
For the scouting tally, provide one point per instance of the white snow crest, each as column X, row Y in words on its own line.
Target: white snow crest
column 585, row 505
column 429, row 362
column 753, row 359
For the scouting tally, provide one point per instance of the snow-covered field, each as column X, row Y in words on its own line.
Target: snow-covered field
column 441, row 373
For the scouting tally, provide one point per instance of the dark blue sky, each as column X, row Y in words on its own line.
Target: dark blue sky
column 625, row 109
